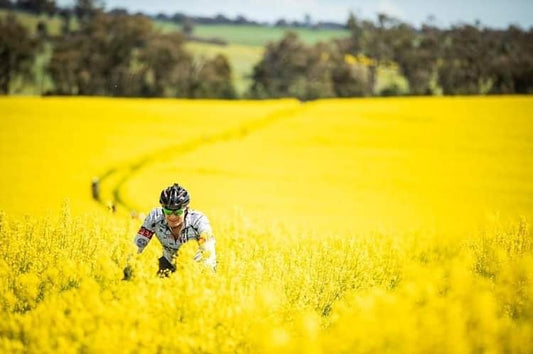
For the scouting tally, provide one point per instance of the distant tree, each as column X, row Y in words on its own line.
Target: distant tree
column 17, row 52
column 511, row 63
column 178, row 17
column 417, row 53
column 219, row 18
column 281, row 70
column 465, row 61
column 379, row 46
column 37, row 6
column 213, row 79
column 356, row 44
column 390, row 42
column 307, row 21
column 522, row 59
column 289, row 68
column 162, row 17
column 188, row 27
column 42, row 30
column 240, row 20
column 86, row 9
column 23, row 5
column 294, row 24
column 66, row 17
column 122, row 56
column 167, row 67
column 66, row 66
column 281, row 23
column 51, row 8
column 170, row 71
column 372, row 41
column 101, row 52
column 501, row 64
column 318, row 78
column 6, row 4
column 349, row 79
column 118, row 11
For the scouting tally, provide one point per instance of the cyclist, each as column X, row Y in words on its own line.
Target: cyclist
column 174, row 223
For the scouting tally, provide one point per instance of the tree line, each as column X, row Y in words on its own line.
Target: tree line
column 220, row 19
column 462, row 60
column 113, row 55
column 117, row 54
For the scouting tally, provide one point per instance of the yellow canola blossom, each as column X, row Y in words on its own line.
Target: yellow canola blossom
column 57, row 146
column 342, row 226
column 444, row 164
column 410, row 293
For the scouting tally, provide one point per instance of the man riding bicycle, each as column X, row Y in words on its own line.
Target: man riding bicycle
column 174, row 224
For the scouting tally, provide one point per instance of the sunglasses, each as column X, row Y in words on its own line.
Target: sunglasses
column 178, row 212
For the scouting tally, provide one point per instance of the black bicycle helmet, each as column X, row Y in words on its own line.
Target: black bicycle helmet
column 174, row 197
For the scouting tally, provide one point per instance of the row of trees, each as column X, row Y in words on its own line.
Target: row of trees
column 220, row 19
column 115, row 55
column 464, row 59
column 50, row 7
column 35, row 6
column 17, row 53
column 121, row 55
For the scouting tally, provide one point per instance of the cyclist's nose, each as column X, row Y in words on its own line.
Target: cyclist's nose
column 174, row 217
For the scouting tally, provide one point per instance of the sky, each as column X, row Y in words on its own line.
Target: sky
column 491, row 13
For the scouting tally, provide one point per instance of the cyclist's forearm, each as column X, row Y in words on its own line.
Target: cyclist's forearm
column 208, row 252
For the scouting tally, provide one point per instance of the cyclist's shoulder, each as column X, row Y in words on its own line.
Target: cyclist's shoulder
column 195, row 214
column 196, row 217
column 154, row 216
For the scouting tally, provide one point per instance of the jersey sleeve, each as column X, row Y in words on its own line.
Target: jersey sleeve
column 146, row 231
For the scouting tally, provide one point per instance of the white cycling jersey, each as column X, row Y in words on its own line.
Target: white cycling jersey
column 195, row 227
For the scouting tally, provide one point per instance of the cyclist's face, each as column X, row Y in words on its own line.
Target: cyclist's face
column 174, row 220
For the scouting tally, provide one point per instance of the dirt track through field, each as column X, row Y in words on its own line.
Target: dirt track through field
column 119, row 175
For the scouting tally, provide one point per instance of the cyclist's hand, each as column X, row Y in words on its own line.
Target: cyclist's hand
column 128, row 273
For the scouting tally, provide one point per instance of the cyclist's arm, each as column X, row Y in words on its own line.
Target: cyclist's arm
column 146, row 232
column 206, row 243
column 141, row 240
column 143, row 236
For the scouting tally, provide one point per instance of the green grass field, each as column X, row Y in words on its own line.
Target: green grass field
column 255, row 35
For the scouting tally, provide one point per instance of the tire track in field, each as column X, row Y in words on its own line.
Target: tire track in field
column 117, row 176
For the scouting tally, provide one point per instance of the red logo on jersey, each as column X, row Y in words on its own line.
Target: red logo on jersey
column 143, row 231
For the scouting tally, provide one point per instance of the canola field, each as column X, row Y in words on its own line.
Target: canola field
column 396, row 225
